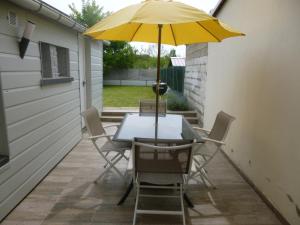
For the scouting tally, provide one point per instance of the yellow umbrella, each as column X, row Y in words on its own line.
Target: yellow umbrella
column 162, row 22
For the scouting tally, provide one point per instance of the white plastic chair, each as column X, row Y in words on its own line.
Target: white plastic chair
column 156, row 165
column 205, row 152
column 96, row 131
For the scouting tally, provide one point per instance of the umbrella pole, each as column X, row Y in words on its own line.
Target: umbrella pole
column 158, row 77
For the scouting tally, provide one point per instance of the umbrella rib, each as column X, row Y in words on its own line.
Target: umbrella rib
column 136, row 31
column 209, row 32
column 173, row 34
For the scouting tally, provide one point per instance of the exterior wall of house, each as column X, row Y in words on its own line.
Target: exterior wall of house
column 43, row 123
column 256, row 79
column 195, row 77
column 94, row 73
column 97, row 73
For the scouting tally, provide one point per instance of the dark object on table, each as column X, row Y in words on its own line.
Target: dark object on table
column 163, row 87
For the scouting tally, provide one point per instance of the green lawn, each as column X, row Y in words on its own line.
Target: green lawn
column 125, row 96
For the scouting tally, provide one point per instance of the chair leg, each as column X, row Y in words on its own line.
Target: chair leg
column 194, row 175
column 115, row 156
column 204, row 176
column 136, row 203
column 112, row 159
column 203, row 180
column 182, row 205
column 112, row 166
column 106, row 154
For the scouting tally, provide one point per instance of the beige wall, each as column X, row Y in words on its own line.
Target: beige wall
column 257, row 79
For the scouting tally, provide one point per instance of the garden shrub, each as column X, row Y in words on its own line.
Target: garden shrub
column 176, row 101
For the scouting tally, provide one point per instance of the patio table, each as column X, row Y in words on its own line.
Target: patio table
column 169, row 127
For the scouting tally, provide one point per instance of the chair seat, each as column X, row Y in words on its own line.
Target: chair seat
column 160, row 178
column 115, row 146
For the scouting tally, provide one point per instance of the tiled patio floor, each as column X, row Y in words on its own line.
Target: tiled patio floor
column 68, row 195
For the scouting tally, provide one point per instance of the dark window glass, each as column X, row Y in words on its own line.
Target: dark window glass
column 55, row 61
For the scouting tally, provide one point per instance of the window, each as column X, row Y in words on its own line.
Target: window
column 55, row 64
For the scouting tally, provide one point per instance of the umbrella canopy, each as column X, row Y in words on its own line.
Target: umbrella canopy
column 182, row 24
column 162, row 22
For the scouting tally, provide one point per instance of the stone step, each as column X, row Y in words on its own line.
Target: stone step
column 111, row 118
column 122, row 113
column 192, row 120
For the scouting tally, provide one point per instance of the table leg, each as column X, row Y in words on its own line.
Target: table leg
column 124, row 197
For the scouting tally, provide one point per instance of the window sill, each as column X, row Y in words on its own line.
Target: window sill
column 3, row 160
column 49, row 81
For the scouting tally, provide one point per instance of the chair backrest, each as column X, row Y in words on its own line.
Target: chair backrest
column 92, row 122
column 221, row 126
column 162, row 156
column 148, row 106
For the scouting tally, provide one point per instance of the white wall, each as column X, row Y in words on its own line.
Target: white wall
column 257, row 79
column 97, row 73
column 43, row 123
column 94, row 73
column 195, row 77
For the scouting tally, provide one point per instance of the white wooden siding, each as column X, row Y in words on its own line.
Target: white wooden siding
column 43, row 123
column 97, row 73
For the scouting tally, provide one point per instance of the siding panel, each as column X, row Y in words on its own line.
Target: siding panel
column 23, row 111
column 22, row 95
column 74, row 74
column 21, row 128
column 10, row 45
column 20, row 145
column 9, row 62
column 195, row 77
column 11, row 80
column 96, row 60
column 44, row 123
column 73, row 56
column 74, row 66
column 96, row 74
column 31, row 153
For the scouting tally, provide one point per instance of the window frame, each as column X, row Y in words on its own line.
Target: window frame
column 50, row 79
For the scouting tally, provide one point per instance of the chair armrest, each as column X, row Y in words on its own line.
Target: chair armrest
column 115, row 125
column 99, row 136
column 213, row 140
column 202, row 129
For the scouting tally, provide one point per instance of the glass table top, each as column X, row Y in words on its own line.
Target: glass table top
column 169, row 127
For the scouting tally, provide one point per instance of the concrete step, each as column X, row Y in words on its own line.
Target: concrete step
column 192, row 120
column 113, row 113
column 122, row 113
column 111, row 118
column 184, row 113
